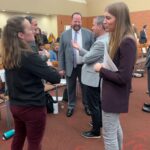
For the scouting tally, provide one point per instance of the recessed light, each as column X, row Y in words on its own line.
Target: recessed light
column 79, row 1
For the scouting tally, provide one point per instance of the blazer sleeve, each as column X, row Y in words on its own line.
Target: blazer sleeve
column 82, row 51
column 61, row 54
column 95, row 54
column 126, row 62
column 35, row 65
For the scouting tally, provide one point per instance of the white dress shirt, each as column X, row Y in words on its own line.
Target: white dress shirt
column 79, row 41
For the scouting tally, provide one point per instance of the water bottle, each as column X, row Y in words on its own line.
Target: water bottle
column 8, row 134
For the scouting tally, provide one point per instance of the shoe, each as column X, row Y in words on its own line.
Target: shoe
column 146, row 109
column 147, row 105
column 87, row 111
column 90, row 134
column 69, row 112
column 91, row 123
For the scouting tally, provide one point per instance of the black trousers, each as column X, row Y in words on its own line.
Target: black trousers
column 94, row 103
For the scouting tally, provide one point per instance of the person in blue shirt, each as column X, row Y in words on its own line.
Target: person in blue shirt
column 53, row 56
column 53, row 52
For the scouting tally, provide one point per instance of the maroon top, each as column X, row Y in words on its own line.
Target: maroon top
column 116, row 85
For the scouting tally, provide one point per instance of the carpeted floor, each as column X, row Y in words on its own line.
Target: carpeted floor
column 64, row 133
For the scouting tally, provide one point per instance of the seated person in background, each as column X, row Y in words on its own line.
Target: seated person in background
column 54, row 54
column 51, row 38
column 56, row 47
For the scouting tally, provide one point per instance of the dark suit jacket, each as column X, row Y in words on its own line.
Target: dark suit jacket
column 143, row 38
column 65, row 53
column 116, row 85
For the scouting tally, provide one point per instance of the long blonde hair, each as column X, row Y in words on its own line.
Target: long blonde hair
column 123, row 26
column 12, row 45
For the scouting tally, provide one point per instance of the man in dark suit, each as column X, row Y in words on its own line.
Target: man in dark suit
column 70, row 63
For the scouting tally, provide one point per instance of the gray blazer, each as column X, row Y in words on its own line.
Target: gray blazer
column 65, row 53
column 89, row 76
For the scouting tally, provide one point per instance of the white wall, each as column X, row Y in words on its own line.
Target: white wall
column 53, row 25
column 46, row 23
column 57, row 7
column 3, row 19
column 96, row 7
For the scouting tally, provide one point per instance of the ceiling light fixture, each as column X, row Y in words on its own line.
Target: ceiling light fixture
column 79, row 1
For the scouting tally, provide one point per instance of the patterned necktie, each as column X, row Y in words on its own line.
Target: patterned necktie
column 74, row 52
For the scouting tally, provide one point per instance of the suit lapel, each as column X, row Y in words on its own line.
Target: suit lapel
column 69, row 40
column 70, row 35
column 83, row 38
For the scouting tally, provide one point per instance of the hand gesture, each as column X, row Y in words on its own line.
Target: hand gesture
column 97, row 67
column 75, row 45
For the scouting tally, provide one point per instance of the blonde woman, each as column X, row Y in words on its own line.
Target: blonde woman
column 116, row 85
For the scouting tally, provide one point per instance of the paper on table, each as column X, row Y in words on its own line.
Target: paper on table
column 108, row 63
